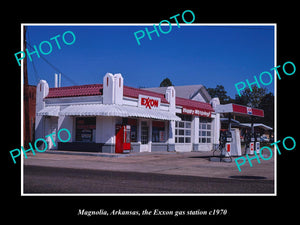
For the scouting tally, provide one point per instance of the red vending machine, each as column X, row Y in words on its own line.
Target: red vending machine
column 122, row 139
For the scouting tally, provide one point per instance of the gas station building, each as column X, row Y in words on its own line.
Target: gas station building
column 114, row 118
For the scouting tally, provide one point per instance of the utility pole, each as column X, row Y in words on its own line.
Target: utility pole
column 25, row 61
column 26, row 119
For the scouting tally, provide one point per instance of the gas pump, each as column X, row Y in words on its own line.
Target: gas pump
column 222, row 142
column 252, row 141
column 252, row 144
column 257, row 142
column 222, row 139
column 247, row 140
column 225, row 144
column 123, row 144
column 228, row 140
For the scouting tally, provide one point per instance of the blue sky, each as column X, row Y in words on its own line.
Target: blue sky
column 208, row 55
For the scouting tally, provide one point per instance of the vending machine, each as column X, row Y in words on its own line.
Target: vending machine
column 123, row 144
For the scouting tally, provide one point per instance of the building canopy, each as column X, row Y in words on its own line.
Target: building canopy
column 239, row 110
column 109, row 110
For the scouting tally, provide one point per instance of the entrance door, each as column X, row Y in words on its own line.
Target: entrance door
column 52, row 121
column 144, row 137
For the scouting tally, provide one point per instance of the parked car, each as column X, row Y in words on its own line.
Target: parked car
column 264, row 139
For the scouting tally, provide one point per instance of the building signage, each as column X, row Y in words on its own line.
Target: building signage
column 239, row 110
column 249, row 110
column 149, row 102
column 196, row 112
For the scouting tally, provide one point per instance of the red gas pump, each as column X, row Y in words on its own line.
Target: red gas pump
column 251, row 152
column 122, row 139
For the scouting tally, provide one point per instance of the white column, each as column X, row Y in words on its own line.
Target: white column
column 118, row 89
column 216, row 128
column 108, row 89
column 195, row 130
column 150, row 136
column 67, row 123
column 166, row 134
column 171, row 132
column 139, row 131
column 42, row 91
column 216, row 121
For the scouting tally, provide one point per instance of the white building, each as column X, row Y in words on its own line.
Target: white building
column 160, row 119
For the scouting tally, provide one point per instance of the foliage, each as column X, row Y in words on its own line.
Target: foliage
column 166, row 83
column 257, row 98
column 219, row 92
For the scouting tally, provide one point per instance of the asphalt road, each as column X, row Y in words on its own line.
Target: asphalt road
column 38, row 179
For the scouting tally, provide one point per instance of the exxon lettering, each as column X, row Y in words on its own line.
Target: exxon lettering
column 148, row 102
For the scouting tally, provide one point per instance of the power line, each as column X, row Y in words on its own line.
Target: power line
column 36, row 76
column 55, row 68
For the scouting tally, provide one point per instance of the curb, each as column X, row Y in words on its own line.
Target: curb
column 100, row 154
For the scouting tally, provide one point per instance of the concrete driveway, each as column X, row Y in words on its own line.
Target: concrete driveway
column 175, row 163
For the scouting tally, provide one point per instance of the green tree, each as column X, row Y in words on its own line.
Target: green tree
column 267, row 104
column 219, row 91
column 257, row 98
column 166, row 83
column 251, row 98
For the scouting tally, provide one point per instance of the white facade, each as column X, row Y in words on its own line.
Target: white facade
column 157, row 120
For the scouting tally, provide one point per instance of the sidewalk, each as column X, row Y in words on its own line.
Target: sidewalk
column 175, row 163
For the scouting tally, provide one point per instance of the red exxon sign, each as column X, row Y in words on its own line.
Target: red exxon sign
column 149, row 102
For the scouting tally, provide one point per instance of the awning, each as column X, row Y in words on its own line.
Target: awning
column 239, row 110
column 117, row 110
column 260, row 125
column 49, row 111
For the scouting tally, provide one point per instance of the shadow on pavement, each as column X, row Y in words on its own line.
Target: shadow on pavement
column 247, row 177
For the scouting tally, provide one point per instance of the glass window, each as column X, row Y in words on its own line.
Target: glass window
column 145, row 134
column 133, row 129
column 158, row 131
column 85, row 129
column 205, row 130
column 187, row 140
column 127, row 136
column 183, row 129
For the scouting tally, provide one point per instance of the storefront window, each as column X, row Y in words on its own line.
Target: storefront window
column 158, row 131
column 134, row 129
column 85, row 129
column 145, row 132
column 205, row 133
column 183, row 129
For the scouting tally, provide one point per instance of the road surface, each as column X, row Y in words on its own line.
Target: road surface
column 39, row 179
